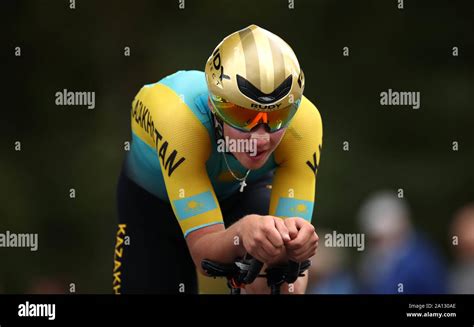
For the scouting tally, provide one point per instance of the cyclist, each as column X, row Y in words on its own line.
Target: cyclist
column 227, row 201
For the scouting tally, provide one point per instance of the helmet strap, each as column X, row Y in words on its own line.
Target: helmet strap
column 218, row 127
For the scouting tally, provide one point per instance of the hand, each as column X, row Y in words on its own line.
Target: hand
column 264, row 237
column 304, row 240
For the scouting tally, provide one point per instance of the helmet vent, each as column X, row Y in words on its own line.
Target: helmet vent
column 252, row 92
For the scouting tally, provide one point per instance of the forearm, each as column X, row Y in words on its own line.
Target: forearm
column 222, row 246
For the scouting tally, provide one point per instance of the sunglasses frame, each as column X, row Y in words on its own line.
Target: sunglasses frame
column 259, row 116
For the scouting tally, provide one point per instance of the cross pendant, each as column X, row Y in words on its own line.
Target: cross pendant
column 242, row 185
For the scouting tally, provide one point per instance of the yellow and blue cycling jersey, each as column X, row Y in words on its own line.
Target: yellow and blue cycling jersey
column 174, row 154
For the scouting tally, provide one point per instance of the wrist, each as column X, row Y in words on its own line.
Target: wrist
column 239, row 230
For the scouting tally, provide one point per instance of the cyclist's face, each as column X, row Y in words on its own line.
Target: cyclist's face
column 252, row 149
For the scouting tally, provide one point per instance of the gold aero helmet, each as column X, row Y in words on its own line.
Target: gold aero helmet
column 254, row 77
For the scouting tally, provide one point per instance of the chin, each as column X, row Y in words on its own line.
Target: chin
column 253, row 165
column 250, row 164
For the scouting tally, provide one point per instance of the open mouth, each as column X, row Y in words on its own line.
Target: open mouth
column 259, row 155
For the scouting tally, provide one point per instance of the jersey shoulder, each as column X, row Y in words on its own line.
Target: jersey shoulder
column 303, row 134
column 178, row 88
column 307, row 117
column 173, row 105
column 187, row 84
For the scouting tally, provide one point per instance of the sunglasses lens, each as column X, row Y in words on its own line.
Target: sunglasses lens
column 245, row 119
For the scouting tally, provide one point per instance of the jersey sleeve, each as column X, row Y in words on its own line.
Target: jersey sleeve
column 297, row 157
column 182, row 147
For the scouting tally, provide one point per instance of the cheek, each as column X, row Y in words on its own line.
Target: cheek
column 276, row 137
column 233, row 133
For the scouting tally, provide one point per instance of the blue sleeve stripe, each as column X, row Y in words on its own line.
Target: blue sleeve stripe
column 290, row 207
column 194, row 205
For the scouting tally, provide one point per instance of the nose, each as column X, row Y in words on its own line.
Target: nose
column 261, row 135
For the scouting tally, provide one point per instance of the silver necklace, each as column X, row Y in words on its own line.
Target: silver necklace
column 240, row 179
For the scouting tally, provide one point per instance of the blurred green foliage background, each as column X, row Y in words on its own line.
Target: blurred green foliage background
column 83, row 50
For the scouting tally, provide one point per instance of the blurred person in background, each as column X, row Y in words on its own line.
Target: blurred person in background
column 329, row 272
column 398, row 259
column 462, row 274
